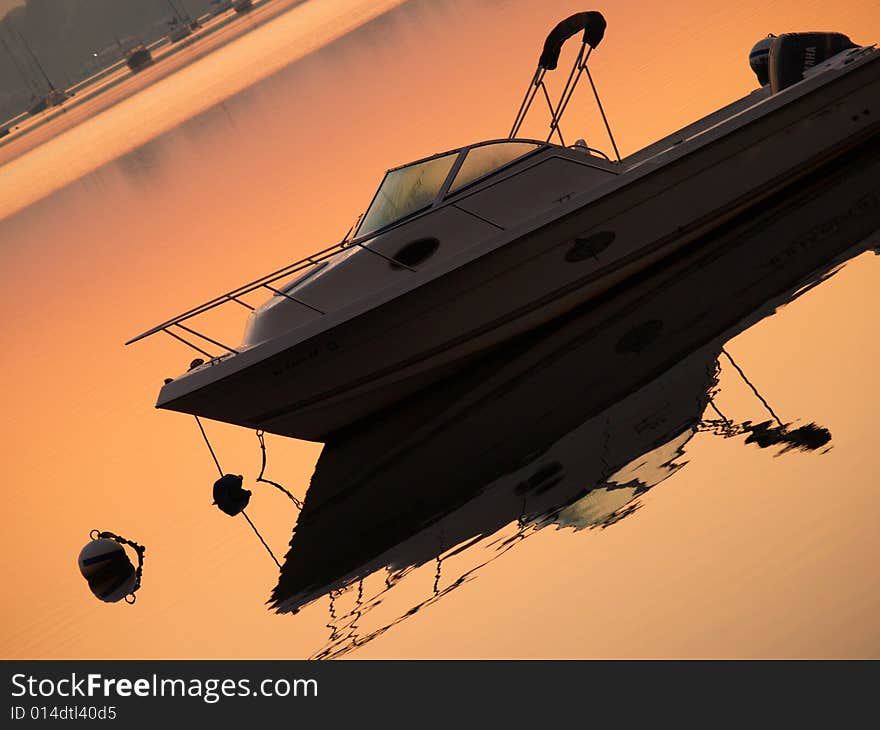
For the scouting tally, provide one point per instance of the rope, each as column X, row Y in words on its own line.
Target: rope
column 139, row 549
column 754, row 389
column 219, row 468
column 261, row 437
column 208, row 444
column 257, row 533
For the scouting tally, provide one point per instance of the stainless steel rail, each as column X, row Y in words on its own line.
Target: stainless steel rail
column 176, row 328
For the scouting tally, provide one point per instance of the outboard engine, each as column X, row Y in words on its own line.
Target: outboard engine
column 759, row 59
column 790, row 55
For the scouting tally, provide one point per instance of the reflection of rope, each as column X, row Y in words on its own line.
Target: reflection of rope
column 720, row 414
column 351, row 642
column 521, row 520
column 754, row 389
column 359, row 601
column 808, row 437
column 437, row 575
column 721, row 426
column 139, row 549
column 261, row 437
column 356, row 614
column 334, row 629
column 439, row 562
column 606, row 432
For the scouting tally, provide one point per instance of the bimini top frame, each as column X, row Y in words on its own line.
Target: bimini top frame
column 593, row 25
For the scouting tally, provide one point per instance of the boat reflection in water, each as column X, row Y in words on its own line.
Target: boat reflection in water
column 570, row 424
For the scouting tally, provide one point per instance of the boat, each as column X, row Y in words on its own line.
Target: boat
column 56, row 97
column 138, row 57
column 177, row 30
column 462, row 251
column 181, row 24
column 193, row 23
column 39, row 102
column 220, row 6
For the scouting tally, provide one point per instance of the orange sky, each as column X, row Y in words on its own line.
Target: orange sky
column 740, row 554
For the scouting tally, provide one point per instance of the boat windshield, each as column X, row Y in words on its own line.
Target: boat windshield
column 408, row 189
column 485, row 158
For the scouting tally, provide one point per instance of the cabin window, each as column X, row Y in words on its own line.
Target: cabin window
column 405, row 191
column 482, row 160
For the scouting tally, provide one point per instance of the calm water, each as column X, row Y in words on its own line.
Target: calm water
column 592, row 491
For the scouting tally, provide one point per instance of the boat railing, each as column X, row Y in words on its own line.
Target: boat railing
column 180, row 327
column 175, row 326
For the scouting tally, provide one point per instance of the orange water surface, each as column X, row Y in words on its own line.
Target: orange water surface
column 266, row 149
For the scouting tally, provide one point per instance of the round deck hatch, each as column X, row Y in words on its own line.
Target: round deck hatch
column 589, row 247
column 416, row 252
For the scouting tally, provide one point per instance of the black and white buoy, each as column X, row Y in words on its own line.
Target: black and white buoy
column 107, row 568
